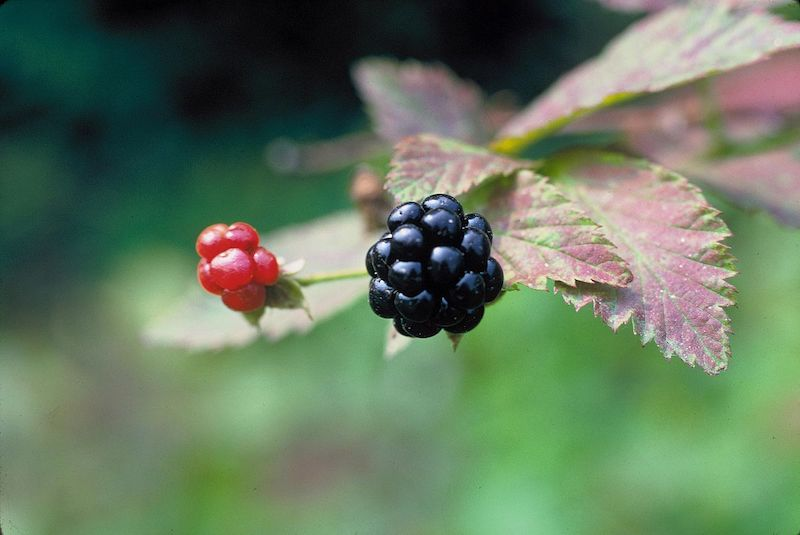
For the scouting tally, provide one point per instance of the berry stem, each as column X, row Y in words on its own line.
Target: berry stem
column 330, row 277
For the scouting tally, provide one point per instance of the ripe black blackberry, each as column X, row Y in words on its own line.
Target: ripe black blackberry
column 433, row 269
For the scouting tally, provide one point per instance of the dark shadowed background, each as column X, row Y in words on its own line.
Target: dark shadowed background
column 126, row 127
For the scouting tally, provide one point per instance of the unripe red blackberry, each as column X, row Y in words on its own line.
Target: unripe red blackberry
column 233, row 266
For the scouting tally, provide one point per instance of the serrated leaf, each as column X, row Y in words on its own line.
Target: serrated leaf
column 671, row 238
column 666, row 49
column 395, row 343
column 759, row 107
column 769, row 180
column 331, row 243
column 639, row 5
column 427, row 164
column 540, row 234
column 657, row 5
column 756, row 105
column 408, row 97
column 768, row 86
column 765, row 180
column 761, row 93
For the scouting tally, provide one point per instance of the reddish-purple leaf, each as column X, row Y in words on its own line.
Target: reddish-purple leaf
column 769, row 180
column 672, row 131
column 640, row 5
column 407, row 98
column 201, row 321
column 669, row 48
column 754, row 102
column 426, row 164
column 657, row 5
column 768, row 88
column 671, row 239
column 499, row 108
column 539, row 234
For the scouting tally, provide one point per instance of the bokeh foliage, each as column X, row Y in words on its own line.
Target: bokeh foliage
column 126, row 127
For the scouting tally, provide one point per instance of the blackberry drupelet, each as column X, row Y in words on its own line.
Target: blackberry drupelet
column 433, row 269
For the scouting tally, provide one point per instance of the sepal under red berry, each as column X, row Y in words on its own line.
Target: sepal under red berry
column 288, row 294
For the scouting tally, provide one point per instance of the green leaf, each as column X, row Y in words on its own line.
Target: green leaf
column 254, row 316
column 671, row 239
column 540, row 234
column 666, row 49
column 427, row 164
column 407, row 98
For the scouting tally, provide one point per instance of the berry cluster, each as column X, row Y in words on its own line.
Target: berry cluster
column 433, row 269
column 234, row 266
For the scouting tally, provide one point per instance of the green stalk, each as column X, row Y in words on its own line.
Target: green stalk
column 330, row 277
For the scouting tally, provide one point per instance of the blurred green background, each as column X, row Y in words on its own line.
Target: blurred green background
column 126, row 127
